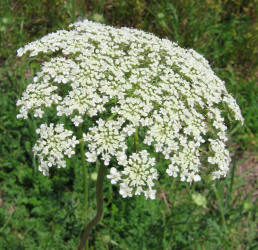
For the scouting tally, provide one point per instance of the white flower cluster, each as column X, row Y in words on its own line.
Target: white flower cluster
column 53, row 144
column 106, row 140
column 167, row 96
column 137, row 177
column 221, row 158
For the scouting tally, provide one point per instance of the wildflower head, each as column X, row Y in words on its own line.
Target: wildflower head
column 133, row 86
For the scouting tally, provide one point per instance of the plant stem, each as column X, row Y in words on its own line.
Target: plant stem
column 136, row 139
column 221, row 209
column 73, row 10
column 111, row 117
column 99, row 197
column 85, row 174
column 85, row 179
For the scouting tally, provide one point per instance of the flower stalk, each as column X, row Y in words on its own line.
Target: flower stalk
column 85, row 175
column 85, row 180
column 99, row 197
column 136, row 139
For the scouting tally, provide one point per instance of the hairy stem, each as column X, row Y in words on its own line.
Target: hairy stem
column 99, row 197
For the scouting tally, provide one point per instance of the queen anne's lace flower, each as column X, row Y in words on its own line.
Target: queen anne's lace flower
column 54, row 143
column 137, row 177
column 131, row 84
column 105, row 139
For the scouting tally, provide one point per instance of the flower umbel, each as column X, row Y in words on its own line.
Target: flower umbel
column 54, row 143
column 137, row 177
column 126, row 82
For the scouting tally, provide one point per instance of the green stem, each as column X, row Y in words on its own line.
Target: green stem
column 99, row 197
column 136, row 139
column 221, row 209
column 73, row 10
column 85, row 174
column 85, row 179
column 111, row 117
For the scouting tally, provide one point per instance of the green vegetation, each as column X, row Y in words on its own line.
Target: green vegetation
column 38, row 212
